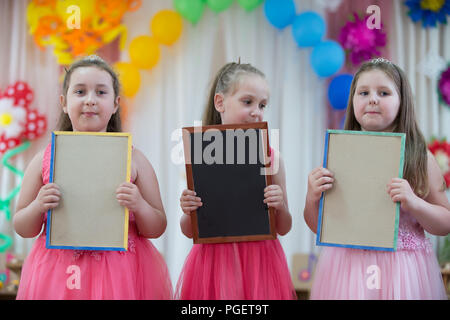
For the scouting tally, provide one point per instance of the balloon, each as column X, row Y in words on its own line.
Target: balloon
column 308, row 29
column 166, row 26
column 144, row 52
column 280, row 13
column 218, row 5
column 191, row 10
column 129, row 77
column 339, row 90
column 249, row 5
column 327, row 58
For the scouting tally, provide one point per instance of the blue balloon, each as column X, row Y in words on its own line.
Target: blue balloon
column 327, row 58
column 280, row 13
column 339, row 90
column 308, row 29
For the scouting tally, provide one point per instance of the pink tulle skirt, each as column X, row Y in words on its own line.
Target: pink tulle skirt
column 344, row 273
column 240, row 270
column 139, row 273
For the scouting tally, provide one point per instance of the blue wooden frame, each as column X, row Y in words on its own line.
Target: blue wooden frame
column 49, row 212
column 397, row 210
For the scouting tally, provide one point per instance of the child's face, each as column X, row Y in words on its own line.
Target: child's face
column 246, row 103
column 376, row 101
column 90, row 101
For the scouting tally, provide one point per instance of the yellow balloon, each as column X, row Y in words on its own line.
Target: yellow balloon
column 144, row 52
column 129, row 77
column 166, row 26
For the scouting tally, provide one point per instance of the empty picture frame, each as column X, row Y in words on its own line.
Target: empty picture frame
column 227, row 166
column 357, row 212
column 88, row 167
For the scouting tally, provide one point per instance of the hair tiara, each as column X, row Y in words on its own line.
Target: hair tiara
column 380, row 60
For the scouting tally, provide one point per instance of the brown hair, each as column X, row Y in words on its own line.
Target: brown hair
column 415, row 168
column 225, row 80
column 114, row 124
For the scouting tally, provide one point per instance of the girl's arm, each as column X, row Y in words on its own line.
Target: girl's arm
column 144, row 199
column 433, row 212
column 279, row 198
column 35, row 199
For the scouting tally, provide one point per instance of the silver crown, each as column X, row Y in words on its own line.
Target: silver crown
column 380, row 60
column 94, row 57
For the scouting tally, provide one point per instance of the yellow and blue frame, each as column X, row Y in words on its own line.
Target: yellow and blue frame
column 128, row 177
column 397, row 209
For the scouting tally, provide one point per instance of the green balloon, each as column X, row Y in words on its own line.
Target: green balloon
column 219, row 5
column 249, row 5
column 191, row 10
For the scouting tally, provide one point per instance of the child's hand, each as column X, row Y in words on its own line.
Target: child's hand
column 129, row 196
column 48, row 197
column 189, row 202
column 319, row 180
column 273, row 197
column 400, row 191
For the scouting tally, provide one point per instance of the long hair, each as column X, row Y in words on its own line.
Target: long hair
column 224, row 82
column 114, row 124
column 415, row 169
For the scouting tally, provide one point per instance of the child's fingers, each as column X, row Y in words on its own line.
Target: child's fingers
column 275, row 192
column 187, row 192
column 188, row 210
column 324, row 180
column 51, row 199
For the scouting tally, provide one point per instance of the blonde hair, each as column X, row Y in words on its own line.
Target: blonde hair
column 415, row 169
column 114, row 124
column 224, row 82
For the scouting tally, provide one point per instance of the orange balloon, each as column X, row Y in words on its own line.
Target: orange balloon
column 144, row 52
column 166, row 26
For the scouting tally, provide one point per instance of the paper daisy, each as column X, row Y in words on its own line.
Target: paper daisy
column 12, row 118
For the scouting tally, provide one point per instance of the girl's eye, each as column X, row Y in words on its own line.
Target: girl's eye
column 101, row 92
column 363, row 93
column 247, row 102
column 79, row 91
column 262, row 106
column 384, row 93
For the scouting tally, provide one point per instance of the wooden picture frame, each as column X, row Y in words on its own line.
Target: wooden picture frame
column 358, row 212
column 88, row 167
column 232, row 193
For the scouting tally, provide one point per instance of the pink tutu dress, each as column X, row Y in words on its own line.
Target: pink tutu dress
column 254, row 270
column 412, row 272
column 138, row 273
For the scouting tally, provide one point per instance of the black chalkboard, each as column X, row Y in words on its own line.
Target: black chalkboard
column 226, row 166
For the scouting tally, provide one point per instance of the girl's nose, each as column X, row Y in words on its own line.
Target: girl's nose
column 90, row 99
column 373, row 99
column 256, row 112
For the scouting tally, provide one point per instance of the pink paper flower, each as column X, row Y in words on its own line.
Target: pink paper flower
column 444, row 86
column 361, row 42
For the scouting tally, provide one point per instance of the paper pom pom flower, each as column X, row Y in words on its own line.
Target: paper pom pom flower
column 361, row 42
column 17, row 121
column 77, row 27
column 429, row 11
column 444, row 86
column 441, row 152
